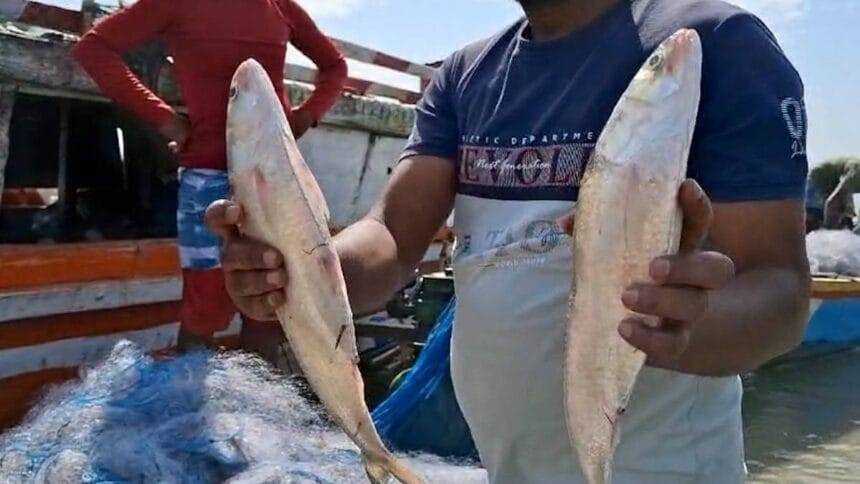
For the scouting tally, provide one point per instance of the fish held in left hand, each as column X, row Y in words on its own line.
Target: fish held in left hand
column 627, row 215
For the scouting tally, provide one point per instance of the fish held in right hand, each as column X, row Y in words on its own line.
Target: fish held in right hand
column 283, row 206
column 254, row 272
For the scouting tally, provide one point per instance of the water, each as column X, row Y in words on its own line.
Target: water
column 802, row 421
column 200, row 418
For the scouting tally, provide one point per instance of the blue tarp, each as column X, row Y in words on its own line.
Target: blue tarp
column 422, row 414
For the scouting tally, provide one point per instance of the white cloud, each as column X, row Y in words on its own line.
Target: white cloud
column 330, row 8
column 775, row 13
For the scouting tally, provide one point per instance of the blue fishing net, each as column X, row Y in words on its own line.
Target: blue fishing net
column 422, row 414
column 200, row 418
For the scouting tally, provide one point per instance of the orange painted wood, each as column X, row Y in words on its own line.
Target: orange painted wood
column 27, row 266
column 829, row 295
column 835, row 288
column 19, row 393
column 28, row 332
column 22, row 198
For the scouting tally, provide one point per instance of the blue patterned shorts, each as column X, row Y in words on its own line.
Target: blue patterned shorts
column 198, row 247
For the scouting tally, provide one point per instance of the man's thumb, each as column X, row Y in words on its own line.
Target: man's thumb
column 222, row 218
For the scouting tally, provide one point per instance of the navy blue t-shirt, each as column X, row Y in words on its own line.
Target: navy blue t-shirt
column 521, row 119
column 539, row 107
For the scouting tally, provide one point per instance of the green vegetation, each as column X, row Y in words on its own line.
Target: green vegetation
column 826, row 176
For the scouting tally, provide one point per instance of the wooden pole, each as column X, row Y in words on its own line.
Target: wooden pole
column 64, row 190
column 7, row 102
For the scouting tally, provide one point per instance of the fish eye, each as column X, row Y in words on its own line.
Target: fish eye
column 233, row 92
column 656, row 61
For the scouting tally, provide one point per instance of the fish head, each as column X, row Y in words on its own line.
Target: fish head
column 253, row 115
column 672, row 69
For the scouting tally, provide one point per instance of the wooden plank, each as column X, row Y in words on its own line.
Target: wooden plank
column 20, row 392
column 358, row 86
column 44, row 66
column 65, row 192
column 78, row 351
column 75, row 96
column 370, row 56
column 43, row 63
column 35, row 331
column 29, row 266
column 7, row 103
column 92, row 296
column 70, row 352
column 835, row 288
column 361, row 113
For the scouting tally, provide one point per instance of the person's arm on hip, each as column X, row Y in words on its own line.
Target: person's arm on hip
column 100, row 51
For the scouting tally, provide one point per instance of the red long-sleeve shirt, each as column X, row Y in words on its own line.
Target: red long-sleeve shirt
column 208, row 39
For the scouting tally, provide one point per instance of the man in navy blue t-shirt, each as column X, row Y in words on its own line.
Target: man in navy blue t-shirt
column 503, row 134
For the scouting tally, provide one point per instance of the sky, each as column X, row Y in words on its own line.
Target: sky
column 820, row 37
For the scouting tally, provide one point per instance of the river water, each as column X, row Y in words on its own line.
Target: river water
column 802, row 421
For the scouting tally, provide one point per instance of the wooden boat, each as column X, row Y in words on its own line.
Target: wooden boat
column 66, row 304
column 63, row 305
column 834, row 317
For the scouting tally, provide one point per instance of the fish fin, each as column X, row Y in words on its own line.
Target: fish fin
column 598, row 474
column 380, row 471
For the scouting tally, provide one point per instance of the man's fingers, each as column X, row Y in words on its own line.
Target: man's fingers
column 674, row 303
column 698, row 215
column 707, row 270
column 663, row 344
column 249, row 255
column 262, row 307
column 255, row 283
column 222, row 217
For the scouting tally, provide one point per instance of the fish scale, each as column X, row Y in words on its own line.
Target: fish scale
column 627, row 214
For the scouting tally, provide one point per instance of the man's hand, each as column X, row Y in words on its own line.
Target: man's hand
column 301, row 120
column 680, row 285
column 176, row 133
column 254, row 272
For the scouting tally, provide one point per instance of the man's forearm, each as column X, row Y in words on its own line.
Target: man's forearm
column 760, row 315
column 379, row 253
column 371, row 265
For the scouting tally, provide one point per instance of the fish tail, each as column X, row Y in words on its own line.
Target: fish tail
column 598, row 472
column 379, row 471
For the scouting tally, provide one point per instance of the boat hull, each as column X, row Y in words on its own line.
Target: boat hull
column 63, row 306
column 834, row 319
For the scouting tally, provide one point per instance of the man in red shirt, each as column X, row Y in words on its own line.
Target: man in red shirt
column 208, row 39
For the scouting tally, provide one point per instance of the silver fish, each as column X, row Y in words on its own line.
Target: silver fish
column 284, row 207
column 627, row 214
